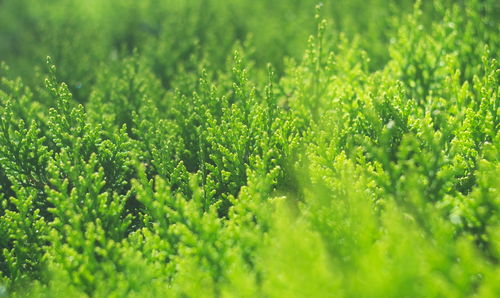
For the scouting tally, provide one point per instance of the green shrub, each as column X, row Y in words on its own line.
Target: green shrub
column 205, row 148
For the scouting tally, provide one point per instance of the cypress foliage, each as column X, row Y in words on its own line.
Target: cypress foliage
column 205, row 148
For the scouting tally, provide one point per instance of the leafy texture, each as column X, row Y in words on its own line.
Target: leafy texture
column 210, row 148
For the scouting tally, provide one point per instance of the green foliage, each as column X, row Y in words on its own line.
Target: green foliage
column 205, row 148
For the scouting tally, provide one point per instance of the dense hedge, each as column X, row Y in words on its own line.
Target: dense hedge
column 208, row 148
